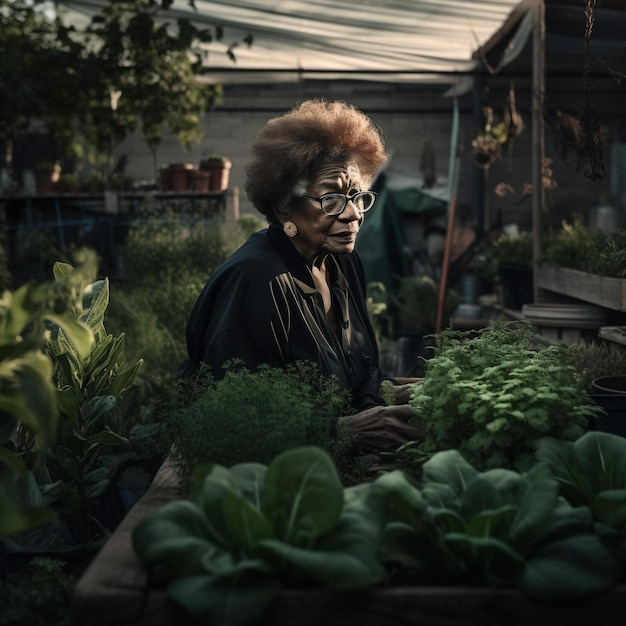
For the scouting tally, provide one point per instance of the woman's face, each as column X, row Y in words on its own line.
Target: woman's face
column 319, row 233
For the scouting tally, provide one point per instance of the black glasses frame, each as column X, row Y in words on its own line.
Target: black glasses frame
column 346, row 198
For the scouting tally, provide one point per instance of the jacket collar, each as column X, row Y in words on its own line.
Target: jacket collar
column 295, row 262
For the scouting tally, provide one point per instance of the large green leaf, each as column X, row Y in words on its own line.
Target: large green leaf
column 17, row 315
column 569, row 569
column 78, row 334
column 216, row 485
column 594, row 463
column 450, row 468
column 124, row 379
column 246, row 524
column 589, row 468
column 176, row 539
column 405, row 501
column 302, row 495
column 216, row 601
column 490, row 558
column 16, row 519
column 95, row 303
column 536, row 507
column 35, row 380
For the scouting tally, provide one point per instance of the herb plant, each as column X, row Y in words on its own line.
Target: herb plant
column 253, row 416
column 490, row 395
column 251, row 530
column 40, row 596
column 591, row 250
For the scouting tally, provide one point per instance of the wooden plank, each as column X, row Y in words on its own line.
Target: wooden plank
column 115, row 588
column 600, row 290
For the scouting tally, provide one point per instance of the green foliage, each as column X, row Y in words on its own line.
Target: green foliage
column 251, row 530
column 410, row 307
column 591, row 250
column 89, row 384
column 496, row 528
column 41, row 597
column 490, row 395
column 35, row 54
column 591, row 472
column 6, row 279
column 597, row 358
column 167, row 257
column 141, row 74
column 29, row 405
column 253, row 416
column 505, row 250
column 245, row 533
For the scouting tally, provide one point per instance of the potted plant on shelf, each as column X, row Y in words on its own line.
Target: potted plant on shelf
column 94, row 182
column 588, row 264
column 507, row 262
column 69, row 182
column 47, row 174
column 176, row 177
column 219, row 166
column 201, row 180
column 410, row 318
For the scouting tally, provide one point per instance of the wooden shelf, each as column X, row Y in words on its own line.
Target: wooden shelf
column 600, row 290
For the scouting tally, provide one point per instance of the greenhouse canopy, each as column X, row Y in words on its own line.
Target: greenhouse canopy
column 428, row 41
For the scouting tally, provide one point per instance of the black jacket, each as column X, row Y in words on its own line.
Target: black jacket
column 261, row 306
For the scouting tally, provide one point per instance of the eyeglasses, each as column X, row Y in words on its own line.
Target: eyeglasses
column 335, row 203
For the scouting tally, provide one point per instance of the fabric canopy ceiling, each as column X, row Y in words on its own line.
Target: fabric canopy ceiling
column 382, row 40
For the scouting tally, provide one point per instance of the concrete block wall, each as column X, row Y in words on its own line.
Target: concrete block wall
column 409, row 116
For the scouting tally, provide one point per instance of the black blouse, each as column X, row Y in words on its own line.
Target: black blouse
column 261, row 306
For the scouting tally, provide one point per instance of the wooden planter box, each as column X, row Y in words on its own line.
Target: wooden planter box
column 600, row 290
column 115, row 590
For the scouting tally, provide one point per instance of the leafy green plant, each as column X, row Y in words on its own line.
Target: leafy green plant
column 412, row 304
column 41, row 595
column 167, row 258
column 591, row 250
column 214, row 159
column 591, row 472
column 496, row 528
column 505, row 250
column 597, row 358
column 251, row 530
column 490, row 394
column 28, row 399
column 253, row 416
column 88, row 387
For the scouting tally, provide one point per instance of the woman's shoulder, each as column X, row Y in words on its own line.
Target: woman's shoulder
column 255, row 259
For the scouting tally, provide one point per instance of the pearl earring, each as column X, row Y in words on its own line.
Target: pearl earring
column 290, row 229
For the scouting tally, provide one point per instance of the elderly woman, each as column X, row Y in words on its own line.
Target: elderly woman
column 296, row 291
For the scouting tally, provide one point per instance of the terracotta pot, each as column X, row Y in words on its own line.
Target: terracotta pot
column 45, row 180
column 201, row 181
column 180, row 177
column 220, row 174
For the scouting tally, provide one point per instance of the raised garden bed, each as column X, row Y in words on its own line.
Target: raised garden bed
column 115, row 590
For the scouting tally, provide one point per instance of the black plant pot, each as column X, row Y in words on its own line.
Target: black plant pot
column 517, row 286
column 610, row 395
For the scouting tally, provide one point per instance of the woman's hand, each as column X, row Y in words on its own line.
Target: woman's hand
column 380, row 428
column 397, row 394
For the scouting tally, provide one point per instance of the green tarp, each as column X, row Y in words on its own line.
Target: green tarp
column 381, row 241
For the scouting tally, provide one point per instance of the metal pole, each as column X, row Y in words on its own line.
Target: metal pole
column 538, row 136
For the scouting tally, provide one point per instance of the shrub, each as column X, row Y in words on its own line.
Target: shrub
column 252, row 416
column 490, row 395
